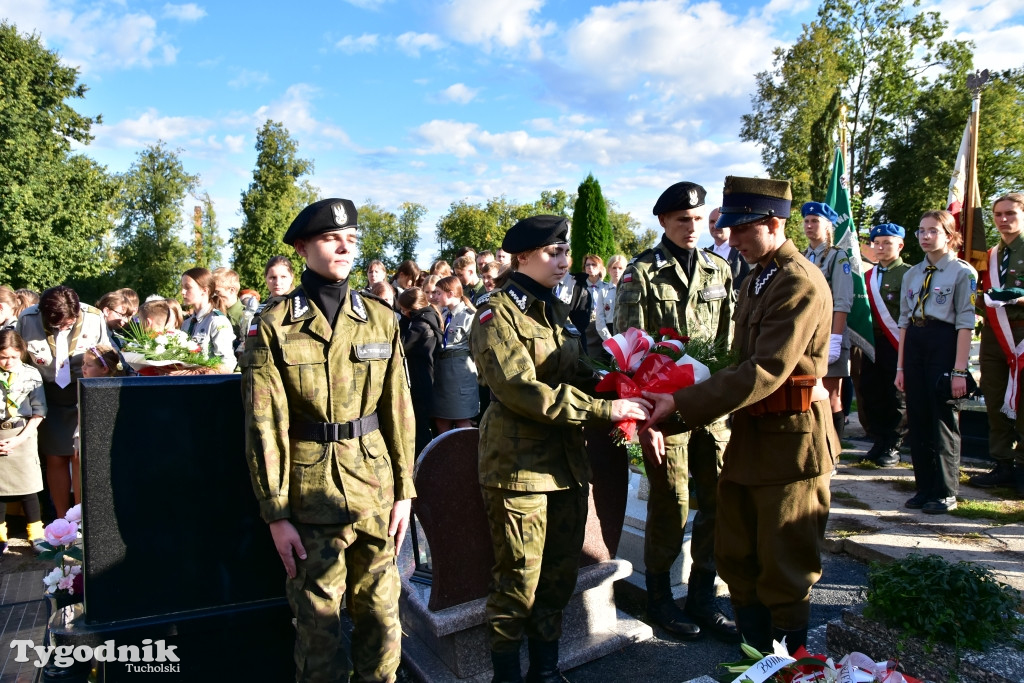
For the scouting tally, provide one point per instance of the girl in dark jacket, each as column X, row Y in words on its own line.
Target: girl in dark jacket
column 420, row 328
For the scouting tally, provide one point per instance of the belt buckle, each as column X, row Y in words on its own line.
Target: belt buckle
column 918, row 322
column 7, row 424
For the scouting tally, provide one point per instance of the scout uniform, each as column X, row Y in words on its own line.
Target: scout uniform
column 883, row 404
column 456, row 392
column 656, row 291
column 602, row 304
column 534, row 469
column 329, row 441
column 935, row 302
column 773, row 495
column 215, row 335
column 999, row 351
column 21, row 398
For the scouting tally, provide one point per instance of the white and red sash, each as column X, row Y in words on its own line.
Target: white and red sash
column 881, row 311
column 1000, row 324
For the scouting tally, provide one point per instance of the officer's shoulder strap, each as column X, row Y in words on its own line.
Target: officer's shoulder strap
column 269, row 305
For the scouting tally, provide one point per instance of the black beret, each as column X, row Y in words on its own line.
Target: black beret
column 679, row 197
column 534, row 232
column 323, row 216
column 745, row 200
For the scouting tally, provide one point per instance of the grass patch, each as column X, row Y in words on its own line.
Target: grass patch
column 846, row 533
column 999, row 511
column 846, row 444
column 851, row 455
column 866, row 465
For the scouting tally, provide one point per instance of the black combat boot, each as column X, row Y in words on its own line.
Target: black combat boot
column 544, row 662
column 754, row 623
column 794, row 638
column 506, row 667
column 1000, row 475
column 663, row 611
column 702, row 607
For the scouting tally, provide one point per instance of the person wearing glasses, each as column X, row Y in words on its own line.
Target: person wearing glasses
column 117, row 312
column 937, row 300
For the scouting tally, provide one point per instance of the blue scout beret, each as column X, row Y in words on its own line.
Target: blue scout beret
column 887, row 230
column 534, row 232
column 679, row 197
column 820, row 209
column 745, row 200
column 323, row 216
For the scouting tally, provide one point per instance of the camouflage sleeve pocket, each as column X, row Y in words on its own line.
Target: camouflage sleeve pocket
column 628, row 295
column 254, row 358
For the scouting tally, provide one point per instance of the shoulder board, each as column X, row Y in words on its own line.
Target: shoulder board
column 482, row 299
column 642, row 255
column 358, row 307
column 711, row 257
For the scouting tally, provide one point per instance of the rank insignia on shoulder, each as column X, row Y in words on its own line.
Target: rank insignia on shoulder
column 358, row 307
column 571, row 329
column 299, row 305
column 518, row 296
column 659, row 259
column 627, row 276
column 485, row 316
column 482, row 299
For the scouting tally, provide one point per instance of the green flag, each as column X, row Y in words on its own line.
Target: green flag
column 859, row 320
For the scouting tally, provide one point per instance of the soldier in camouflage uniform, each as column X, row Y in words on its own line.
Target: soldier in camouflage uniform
column 329, row 440
column 679, row 286
column 534, row 470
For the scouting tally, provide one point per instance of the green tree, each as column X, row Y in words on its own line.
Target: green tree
column 206, row 241
column 150, row 250
column 378, row 232
column 480, row 227
column 591, row 229
column 554, row 203
column 629, row 239
column 409, row 230
column 275, row 196
column 55, row 211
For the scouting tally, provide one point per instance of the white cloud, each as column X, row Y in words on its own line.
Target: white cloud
column 503, row 24
column 295, row 110
column 97, row 39
column 459, row 93
column 249, row 79
column 413, row 43
column 447, row 137
column 235, row 143
column 187, row 12
column 997, row 41
column 353, row 44
column 148, row 128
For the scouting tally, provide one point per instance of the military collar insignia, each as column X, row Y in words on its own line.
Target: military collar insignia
column 659, row 259
column 358, row 307
column 482, row 299
column 766, row 275
column 518, row 296
column 565, row 291
column 300, row 305
column 707, row 259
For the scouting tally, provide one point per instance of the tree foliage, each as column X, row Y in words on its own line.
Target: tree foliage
column 206, row 240
column 275, row 196
column 480, row 227
column 409, row 230
column 151, row 253
column 55, row 211
column 378, row 232
column 627, row 234
column 591, row 229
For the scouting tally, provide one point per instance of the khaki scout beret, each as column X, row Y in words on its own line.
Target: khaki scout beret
column 679, row 197
column 534, row 232
column 745, row 200
column 323, row 216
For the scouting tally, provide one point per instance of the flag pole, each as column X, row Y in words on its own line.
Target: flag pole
column 975, row 82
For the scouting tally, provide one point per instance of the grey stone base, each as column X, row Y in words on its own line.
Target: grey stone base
column 854, row 633
column 451, row 644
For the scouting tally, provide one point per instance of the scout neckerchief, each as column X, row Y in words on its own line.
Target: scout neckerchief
column 6, row 383
column 880, row 310
column 922, row 294
column 1000, row 324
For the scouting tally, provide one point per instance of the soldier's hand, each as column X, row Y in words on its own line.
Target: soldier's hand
column 664, row 405
column 288, row 543
column 630, row 409
column 400, row 514
column 652, row 443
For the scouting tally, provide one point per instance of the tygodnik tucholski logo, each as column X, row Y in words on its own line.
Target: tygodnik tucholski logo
column 151, row 657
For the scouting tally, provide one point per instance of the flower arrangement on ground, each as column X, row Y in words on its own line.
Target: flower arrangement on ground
column 145, row 349
column 64, row 582
column 803, row 667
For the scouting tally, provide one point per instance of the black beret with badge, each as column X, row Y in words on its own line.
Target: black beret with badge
column 535, row 232
column 680, row 197
column 323, row 216
column 745, row 200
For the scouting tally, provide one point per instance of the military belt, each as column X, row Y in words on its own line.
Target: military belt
column 12, row 423
column 326, row 432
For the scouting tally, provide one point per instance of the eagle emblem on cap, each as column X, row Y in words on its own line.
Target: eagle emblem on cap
column 693, row 196
column 340, row 216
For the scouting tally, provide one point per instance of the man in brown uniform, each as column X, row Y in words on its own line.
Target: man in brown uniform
column 773, row 494
column 329, row 440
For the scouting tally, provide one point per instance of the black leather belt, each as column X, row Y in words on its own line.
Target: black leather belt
column 454, row 353
column 325, row 432
column 12, row 423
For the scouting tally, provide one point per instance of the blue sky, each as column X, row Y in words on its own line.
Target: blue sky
column 436, row 102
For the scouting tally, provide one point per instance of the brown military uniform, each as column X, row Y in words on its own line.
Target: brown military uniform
column 773, row 494
column 655, row 292
column 338, row 490
column 534, row 470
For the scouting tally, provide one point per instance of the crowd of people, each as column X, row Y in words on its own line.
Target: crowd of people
column 494, row 340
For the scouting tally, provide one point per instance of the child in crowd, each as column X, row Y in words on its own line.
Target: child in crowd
column 24, row 407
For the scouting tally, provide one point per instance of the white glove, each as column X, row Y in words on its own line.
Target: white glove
column 835, row 348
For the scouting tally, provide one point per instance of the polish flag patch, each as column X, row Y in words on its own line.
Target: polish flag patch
column 252, row 330
column 486, row 316
column 627, row 277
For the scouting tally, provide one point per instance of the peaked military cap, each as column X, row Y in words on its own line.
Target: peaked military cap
column 534, row 232
column 887, row 230
column 323, row 216
column 820, row 209
column 745, row 200
column 679, row 197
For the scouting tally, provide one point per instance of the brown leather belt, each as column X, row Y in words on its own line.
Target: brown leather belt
column 12, row 423
column 326, row 432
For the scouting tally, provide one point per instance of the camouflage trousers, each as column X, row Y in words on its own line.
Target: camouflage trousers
column 358, row 558
column 697, row 453
column 537, row 541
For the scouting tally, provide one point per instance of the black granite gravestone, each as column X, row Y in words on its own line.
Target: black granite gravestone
column 174, row 546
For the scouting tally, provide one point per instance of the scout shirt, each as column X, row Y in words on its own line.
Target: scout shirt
column 889, row 286
column 296, row 368
column 215, row 335
column 89, row 330
column 782, row 329
column 531, row 435
column 655, row 292
column 951, row 292
column 21, row 393
column 835, row 266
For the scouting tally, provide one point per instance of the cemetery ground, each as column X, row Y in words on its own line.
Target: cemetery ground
column 867, row 523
